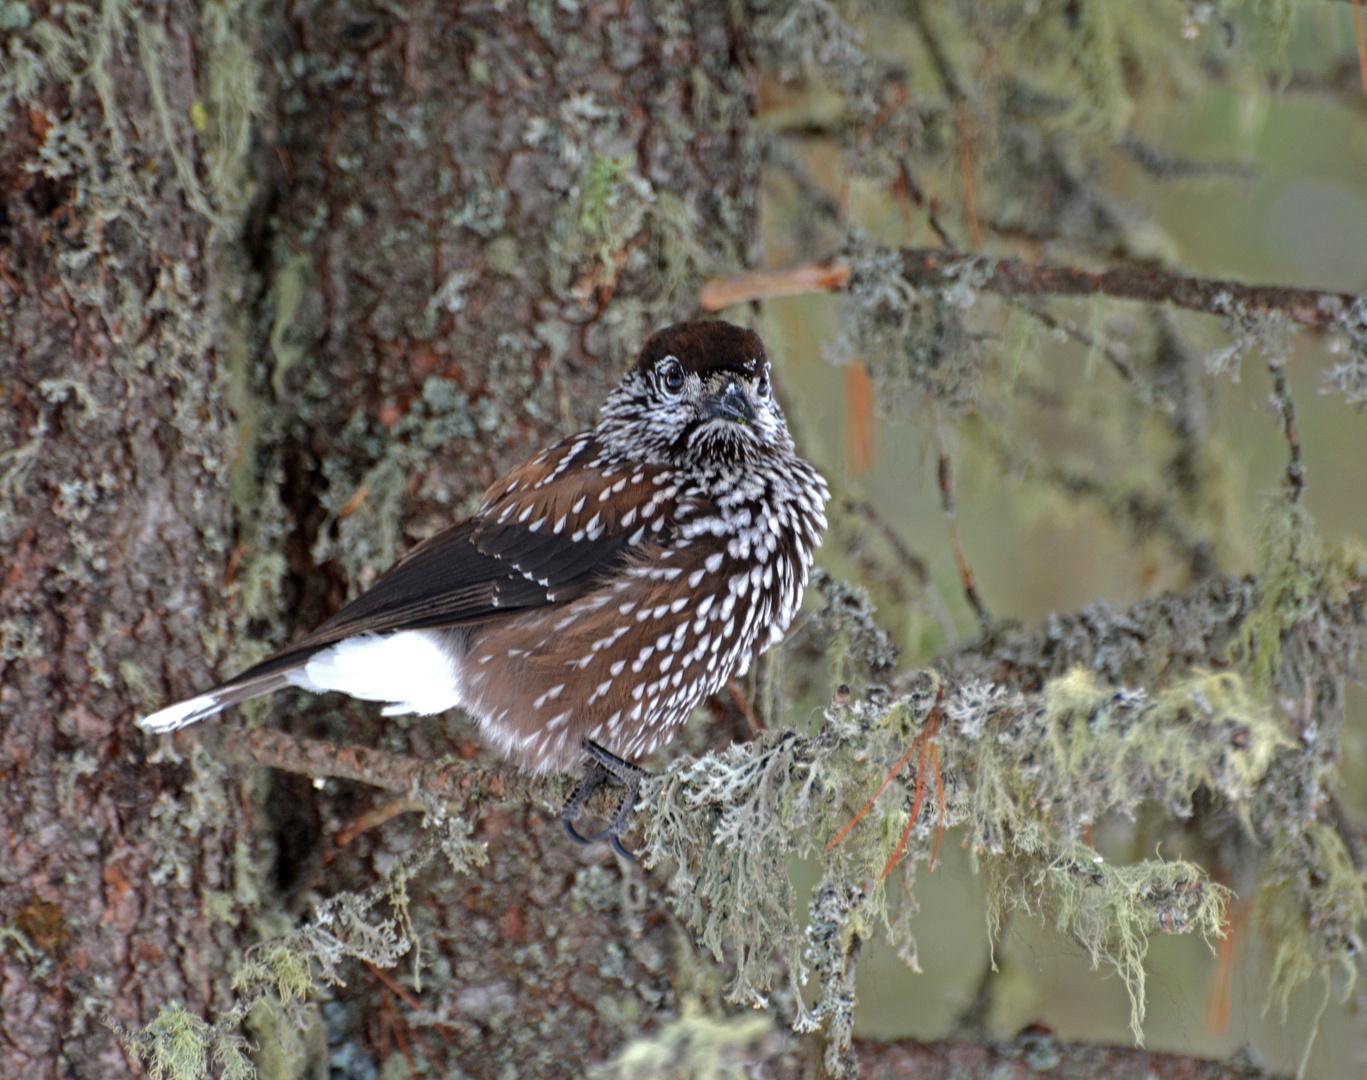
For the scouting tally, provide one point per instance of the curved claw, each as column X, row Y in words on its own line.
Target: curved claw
column 576, row 836
column 611, row 834
column 616, row 843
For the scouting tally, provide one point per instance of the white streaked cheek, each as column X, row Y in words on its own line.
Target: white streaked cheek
column 415, row 671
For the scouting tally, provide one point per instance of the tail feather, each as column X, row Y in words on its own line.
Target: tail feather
column 353, row 672
column 243, row 688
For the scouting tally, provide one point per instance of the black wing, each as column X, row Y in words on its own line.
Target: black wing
column 544, row 535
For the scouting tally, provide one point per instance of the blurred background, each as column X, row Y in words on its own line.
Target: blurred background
column 1231, row 146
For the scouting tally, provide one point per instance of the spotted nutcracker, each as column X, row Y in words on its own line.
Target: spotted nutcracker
column 602, row 589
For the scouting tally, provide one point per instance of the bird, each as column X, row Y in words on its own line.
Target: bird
column 602, row 589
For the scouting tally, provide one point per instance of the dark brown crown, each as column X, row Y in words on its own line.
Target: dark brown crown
column 705, row 346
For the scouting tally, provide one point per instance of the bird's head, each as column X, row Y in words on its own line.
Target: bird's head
column 699, row 391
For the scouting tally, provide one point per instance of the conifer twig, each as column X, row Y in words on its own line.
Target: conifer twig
column 946, row 478
column 1286, row 409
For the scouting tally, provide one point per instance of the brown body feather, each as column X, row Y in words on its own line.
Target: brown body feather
column 609, row 584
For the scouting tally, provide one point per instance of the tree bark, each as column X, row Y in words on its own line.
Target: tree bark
column 244, row 372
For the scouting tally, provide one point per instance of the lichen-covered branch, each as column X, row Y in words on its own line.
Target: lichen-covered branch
column 453, row 780
column 728, row 1049
column 1038, row 734
column 958, row 275
column 1039, row 1053
column 939, row 268
column 1026, row 773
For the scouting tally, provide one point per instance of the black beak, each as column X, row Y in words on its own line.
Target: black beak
column 730, row 403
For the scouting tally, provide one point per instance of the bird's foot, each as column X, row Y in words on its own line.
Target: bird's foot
column 602, row 768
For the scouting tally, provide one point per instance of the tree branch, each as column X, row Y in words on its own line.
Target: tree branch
column 1136, row 691
column 1015, row 278
column 455, row 780
column 1042, row 1056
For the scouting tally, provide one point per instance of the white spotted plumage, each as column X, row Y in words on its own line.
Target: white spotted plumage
column 611, row 583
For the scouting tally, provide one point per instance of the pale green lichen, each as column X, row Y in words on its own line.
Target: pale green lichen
column 15, row 15
column 162, row 323
column 292, row 278
column 276, row 977
column 1265, row 333
column 286, row 1044
column 695, row 1046
column 1303, row 579
column 1025, row 773
column 176, row 1046
column 21, row 638
column 839, row 921
column 136, row 679
column 788, row 794
column 484, row 209
column 15, row 465
column 1075, row 53
column 1111, row 911
column 622, row 222
column 855, row 647
column 1205, row 730
column 1312, row 903
column 14, row 941
column 364, row 527
column 1349, row 375
column 913, row 341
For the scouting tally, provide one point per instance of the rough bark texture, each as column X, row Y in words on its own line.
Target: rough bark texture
column 222, row 415
column 115, row 530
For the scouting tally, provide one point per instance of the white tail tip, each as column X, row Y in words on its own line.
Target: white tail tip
column 181, row 713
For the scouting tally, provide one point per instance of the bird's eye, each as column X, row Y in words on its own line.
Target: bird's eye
column 671, row 375
column 762, row 388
